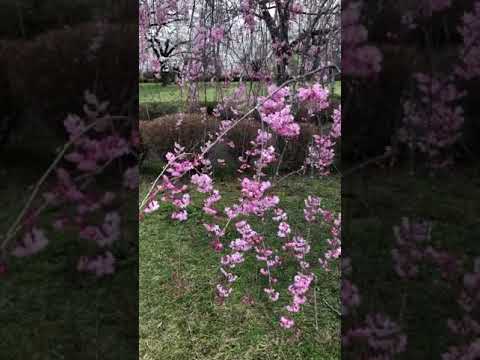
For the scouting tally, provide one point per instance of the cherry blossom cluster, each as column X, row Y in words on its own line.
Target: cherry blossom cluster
column 470, row 50
column 255, row 191
column 94, row 142
column 334, row 243
column 412, row 248
column 439, row 5
column 359, row 58
column 99, row 265
column 312, row 213
column 247, row 8
column 175, row 195
column 336, row 130
column 410, row 239
column 321, row 153
column 282, row 51
column 277, row 114
column 435, row 124
column 315, row 97
column 249, row 240
column 256, row 203
column 377, row 335
column 232, row 103
column 467, row 328
column 299, row 248
column 207, row 37
column 312, row 208
column 434, row 116
column 427, row 8
column 350, row 295
column 296, row 8
column 33, row 242
column 265, row 154
column 204, row 43
column 298, row 289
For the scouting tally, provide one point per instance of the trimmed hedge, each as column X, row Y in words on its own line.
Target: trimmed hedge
column 153, row 110
column 159, row 136
column 46, row 77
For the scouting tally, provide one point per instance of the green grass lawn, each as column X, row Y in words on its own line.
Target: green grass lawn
column 157, row 100
column 178, row 272
column 374, row 202
column 48, row 310
column 157, row 93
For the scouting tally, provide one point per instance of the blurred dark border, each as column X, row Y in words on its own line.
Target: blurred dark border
column 51, row 52
column 379, row 190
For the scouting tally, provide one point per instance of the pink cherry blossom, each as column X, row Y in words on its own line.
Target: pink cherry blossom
column 203, row 182
column 283, row 229
column 286, row 323
column 217, row 34
column 131, row 178
column 223, row 291
column 32, row 243
column 316, row 97
column 272, row 294
column 99, row 265
column 180, row 215
column 151, row 207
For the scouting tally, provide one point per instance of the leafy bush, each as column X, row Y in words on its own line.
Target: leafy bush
column 48, row 75
column 159, row 136
column 153, row 110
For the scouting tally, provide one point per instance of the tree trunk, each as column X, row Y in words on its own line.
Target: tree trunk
column 282, row 74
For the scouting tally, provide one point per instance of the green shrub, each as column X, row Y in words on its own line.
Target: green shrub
column 48, row 75
column 153, row 110
column 159, row 136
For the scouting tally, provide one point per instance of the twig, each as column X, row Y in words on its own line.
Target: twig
column 280, row 159
column 367, row 162
column 331, row 308
column 165, row 168
column 315, row 304
column 14, row 228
